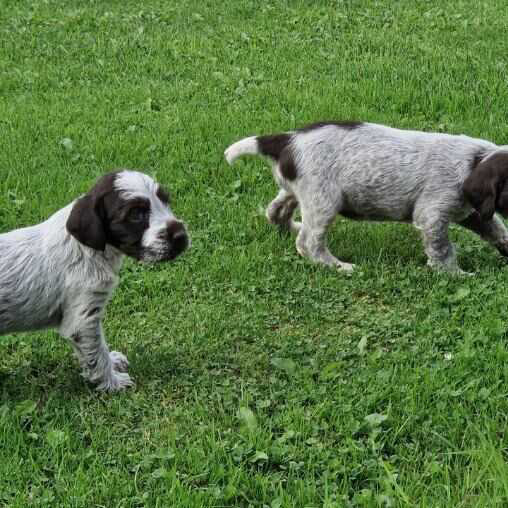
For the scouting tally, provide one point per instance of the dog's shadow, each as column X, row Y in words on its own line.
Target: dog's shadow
column 367, row 244
column 393, row 244
column 24, row 383
column 49, row 379
column 173, row 368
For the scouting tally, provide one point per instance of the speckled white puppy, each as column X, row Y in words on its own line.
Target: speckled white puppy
column 61, row 273
column 374, row 172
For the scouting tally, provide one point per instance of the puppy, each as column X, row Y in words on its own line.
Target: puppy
column 374, row 172
column 61, row 273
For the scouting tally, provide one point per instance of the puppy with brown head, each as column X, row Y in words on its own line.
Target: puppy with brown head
column 367, row 171
column 129, row 211
column 61, row 273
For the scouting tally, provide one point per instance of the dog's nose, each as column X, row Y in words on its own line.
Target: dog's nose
column 174, row 229
column 177, row 235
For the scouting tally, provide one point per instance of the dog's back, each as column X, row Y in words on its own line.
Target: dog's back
column 377, row 172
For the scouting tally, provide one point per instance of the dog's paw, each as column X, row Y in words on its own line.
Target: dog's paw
column 454, row 271
column 462, row 273
column 119, row 361
column 295, row 226
column 115, row 382
column 345, row 267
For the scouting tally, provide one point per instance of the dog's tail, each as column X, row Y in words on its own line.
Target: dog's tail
column 272, row 146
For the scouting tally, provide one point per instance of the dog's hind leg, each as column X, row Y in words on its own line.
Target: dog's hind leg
column 311, row 240
column 280, row 211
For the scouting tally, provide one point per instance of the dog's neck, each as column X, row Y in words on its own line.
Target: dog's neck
column 114, row 257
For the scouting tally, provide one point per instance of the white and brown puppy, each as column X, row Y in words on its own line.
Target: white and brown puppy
column 61, row 273
column 373, row 172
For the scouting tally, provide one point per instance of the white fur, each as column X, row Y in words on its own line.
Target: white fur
column 242, row 147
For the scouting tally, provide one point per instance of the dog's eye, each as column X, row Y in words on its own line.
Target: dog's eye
column 137, row 214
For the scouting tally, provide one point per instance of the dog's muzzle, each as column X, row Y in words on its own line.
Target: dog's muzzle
column 176, row 238
column 171, row 240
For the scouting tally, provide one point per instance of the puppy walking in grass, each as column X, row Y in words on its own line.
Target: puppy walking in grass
column 373, row 172
column 61, row 273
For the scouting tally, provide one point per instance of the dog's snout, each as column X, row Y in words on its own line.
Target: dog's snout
column 174, row 230
column 177, row 236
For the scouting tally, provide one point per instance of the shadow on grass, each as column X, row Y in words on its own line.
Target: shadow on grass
column 393, row 243
column 52, row 380
column 42, row 383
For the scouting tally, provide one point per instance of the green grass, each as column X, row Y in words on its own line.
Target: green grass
column 262, row 380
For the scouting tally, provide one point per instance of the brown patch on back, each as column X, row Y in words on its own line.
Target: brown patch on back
column 273, row 145
column 347, row 125
column 278, row 147
column 287, row 166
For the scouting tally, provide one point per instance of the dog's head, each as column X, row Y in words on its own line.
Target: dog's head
column 486, row 188
column 130, row 211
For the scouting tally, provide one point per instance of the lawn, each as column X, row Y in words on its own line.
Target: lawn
column 262, row 379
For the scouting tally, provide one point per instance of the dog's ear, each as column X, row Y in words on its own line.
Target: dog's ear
column 487, row 178
column 502, row 200
column 85, row 224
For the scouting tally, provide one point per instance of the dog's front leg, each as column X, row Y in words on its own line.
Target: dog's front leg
column 494, row 231
column 100, row 366
column 440, row 251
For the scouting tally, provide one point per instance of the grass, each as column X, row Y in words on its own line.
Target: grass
column 262, row 380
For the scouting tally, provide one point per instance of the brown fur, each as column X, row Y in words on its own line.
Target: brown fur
column 486, row 187
column 102, row 217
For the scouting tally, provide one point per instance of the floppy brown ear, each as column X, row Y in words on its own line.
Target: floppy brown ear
column 482, row 185
column 85, row 224
column 488, row 207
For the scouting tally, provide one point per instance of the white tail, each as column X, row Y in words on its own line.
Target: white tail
column 246, row 146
